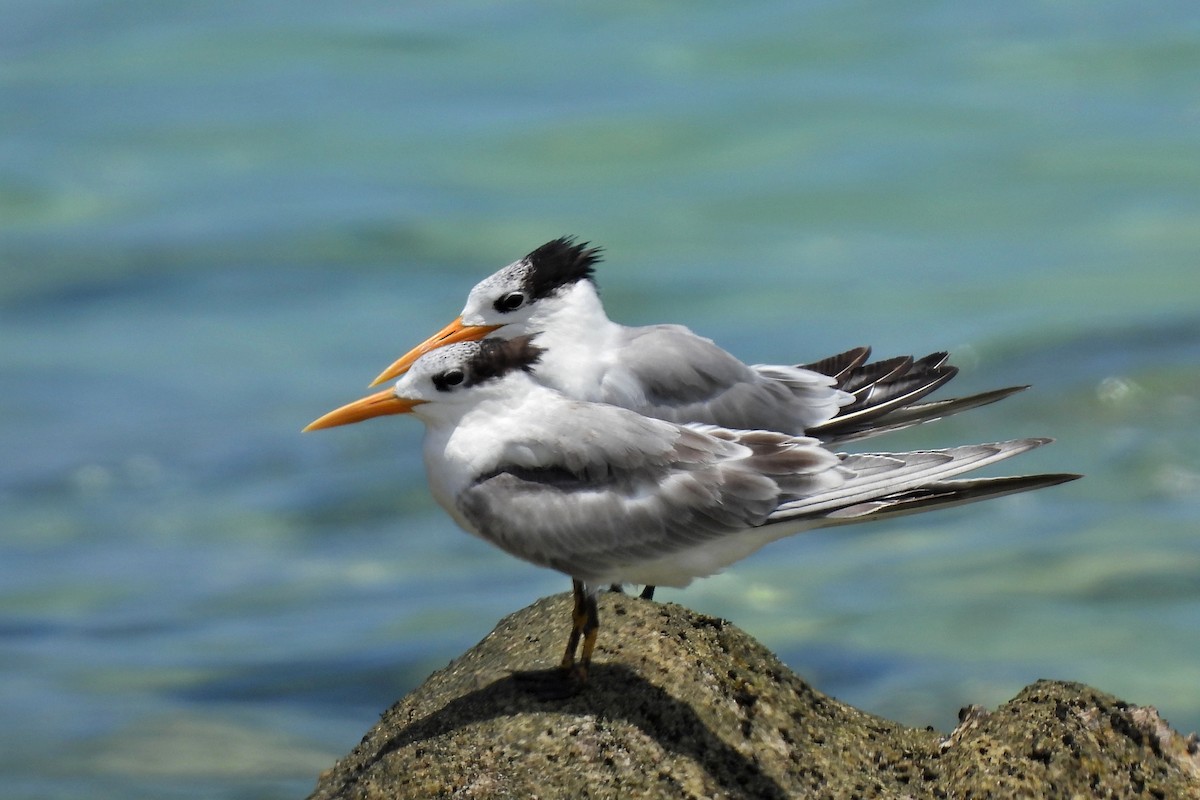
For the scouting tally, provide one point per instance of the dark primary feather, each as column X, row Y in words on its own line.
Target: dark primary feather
column 886, row 394
column 838, row 431
column 917, row 378
column 861, row 381
column 840, row 366
column 945, row 494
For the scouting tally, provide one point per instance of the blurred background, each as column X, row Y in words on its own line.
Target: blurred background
column 219, row 220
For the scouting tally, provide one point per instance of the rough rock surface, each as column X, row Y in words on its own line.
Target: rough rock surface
column 681, row 705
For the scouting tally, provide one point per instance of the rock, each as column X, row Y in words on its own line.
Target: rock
column 681, row 705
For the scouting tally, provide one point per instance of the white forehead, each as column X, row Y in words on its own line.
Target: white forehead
column 436, row 362
column 501, row 282
column 451, row 356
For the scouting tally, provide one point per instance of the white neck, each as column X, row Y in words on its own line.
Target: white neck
column 576, row 333
column 465, row 441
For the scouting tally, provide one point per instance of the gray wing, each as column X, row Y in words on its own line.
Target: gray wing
column 571, row 515
column 668, row 372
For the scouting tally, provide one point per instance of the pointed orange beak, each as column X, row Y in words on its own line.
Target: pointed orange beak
column 454, row 332
column 377, row 405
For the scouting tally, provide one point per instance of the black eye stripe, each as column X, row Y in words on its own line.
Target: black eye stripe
column 509, row 302
column 448, row 379
column 487, row 360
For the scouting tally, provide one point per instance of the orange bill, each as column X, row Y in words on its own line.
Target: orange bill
column 456, row 331
column 376, row 405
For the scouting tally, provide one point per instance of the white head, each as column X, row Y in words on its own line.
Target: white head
column 444, row 382
column 507, row 303
column 511, row 297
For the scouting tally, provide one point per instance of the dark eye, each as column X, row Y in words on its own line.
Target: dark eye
column 451, row 377
column 510, row 302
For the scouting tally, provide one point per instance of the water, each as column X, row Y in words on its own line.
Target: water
column 219, row 220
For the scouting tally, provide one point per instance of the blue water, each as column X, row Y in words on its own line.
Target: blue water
column 219, row 220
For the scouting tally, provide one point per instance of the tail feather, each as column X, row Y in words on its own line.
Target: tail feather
column 874, row 477
column 944, row 494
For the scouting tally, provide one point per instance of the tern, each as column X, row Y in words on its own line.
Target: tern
column 609, row 496
column 671, row 373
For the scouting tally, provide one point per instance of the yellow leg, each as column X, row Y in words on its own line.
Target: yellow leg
column 579, row 618
column 571, row 676
column 591, row 627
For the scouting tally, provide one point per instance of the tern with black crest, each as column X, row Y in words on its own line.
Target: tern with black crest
column 606, row 495
column 671, row 373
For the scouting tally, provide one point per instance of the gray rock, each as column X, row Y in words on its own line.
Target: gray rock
column 681, row 705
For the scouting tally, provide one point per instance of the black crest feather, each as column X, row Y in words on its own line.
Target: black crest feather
column 559, row 263
column 498, row 357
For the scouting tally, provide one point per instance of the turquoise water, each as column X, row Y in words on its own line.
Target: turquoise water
column 219, row 220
